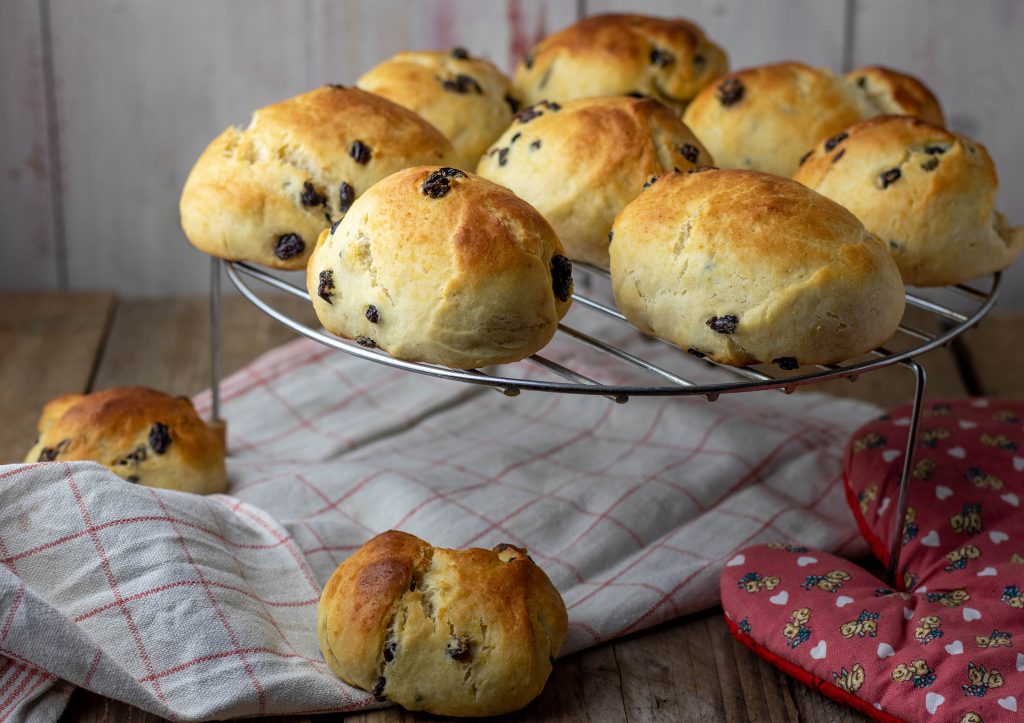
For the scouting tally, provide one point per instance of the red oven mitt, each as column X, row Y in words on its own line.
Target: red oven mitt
column 949, row 644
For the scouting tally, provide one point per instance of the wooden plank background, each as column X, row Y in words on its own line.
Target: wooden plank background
column 109, row 102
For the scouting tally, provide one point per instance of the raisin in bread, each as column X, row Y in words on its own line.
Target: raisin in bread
column 437, row 265
column 452, row 632
column 142, row 435
column 669, row 59
column 581, row 162
column 263, row 193
column 465, row 97
column 928, row 193
column 748, row 267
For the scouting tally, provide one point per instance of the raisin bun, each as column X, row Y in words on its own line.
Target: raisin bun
column 452, row 632
column 765, row 118
column 928, row 193
column 886, row 91
column 437, row 265
column 466, row 98
column 142, row 435
column 581, row 162
column 667, row 59
column 747, row 267
column 263, row 193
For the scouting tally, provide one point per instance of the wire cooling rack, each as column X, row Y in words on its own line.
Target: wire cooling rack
column 939, row 316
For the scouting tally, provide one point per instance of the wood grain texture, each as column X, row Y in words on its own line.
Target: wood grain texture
column 996, row 355
column 49, row 345
column 970, row 55
column 754, row 32
column 28, row 235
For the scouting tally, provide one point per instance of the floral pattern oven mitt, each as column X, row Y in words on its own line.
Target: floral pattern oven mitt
column 947, row 646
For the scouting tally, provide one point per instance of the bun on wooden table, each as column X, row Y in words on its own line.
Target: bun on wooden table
column 746, row 267
column 668, row 59
column 264, row 192
column 436, row 265
column 465, row 97
column 142, row 435
column 580, row 162
column 451, row 632
column 928, row 193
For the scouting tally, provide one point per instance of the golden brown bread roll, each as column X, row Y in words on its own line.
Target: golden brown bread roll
column 465, row 97
column 580, row 162
column 928, row 193
column 437, row 265
column 748, row 267
column 890, row 92
column 263, row 193
column 668, row 59
column 452, row 632
column 142, row 435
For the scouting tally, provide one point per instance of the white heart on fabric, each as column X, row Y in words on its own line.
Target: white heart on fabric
column 805, row 561
column 971, row 614
column 919, row 590
column 890, row 454
column 1018, row 464
column 843, row 600
column 967, row 424
column 1011, row 499
column 979, row 403
column 779, row 598
column 885, row 650
column 997, row 536
column 957, row 452
column 908, row 614
column 1009, row 702
column 818, row 651
column 987, row 572
column 901, row 422
column 738, row 560
column 1020, row 662
column 931, row 539
column 884, row 505
column 932, row 701
column 955, row 648
column 943, row 492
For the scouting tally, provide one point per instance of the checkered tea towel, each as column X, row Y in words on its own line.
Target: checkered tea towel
column 205, row 607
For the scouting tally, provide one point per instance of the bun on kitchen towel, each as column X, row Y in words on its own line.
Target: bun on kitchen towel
column 433, row 264
column 748, row 267
column 142, row 435
column 264, row 192
column 452, row 632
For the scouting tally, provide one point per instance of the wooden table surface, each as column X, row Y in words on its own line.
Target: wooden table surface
column 689, row 669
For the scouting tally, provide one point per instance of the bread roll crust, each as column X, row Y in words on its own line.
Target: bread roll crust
column 746, row 267
column 669, row 59
column 465, row 279
column 263, row 193
column 452, row 632
column 890, row 92
column 118, row 428
column 465, row 97
column 928, row 193
column 579, row 163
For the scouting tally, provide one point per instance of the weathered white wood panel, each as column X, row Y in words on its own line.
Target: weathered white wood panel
column 144, row 85
column 28, row 237
column 972, row 56
column 754, row 32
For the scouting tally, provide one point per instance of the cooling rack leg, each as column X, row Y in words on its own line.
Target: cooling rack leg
column 215, row 333
column 920, row 380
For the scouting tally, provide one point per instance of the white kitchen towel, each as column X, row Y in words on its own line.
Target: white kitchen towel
column 205, row 607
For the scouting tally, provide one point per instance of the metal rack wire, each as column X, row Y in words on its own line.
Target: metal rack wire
column 910, row 341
